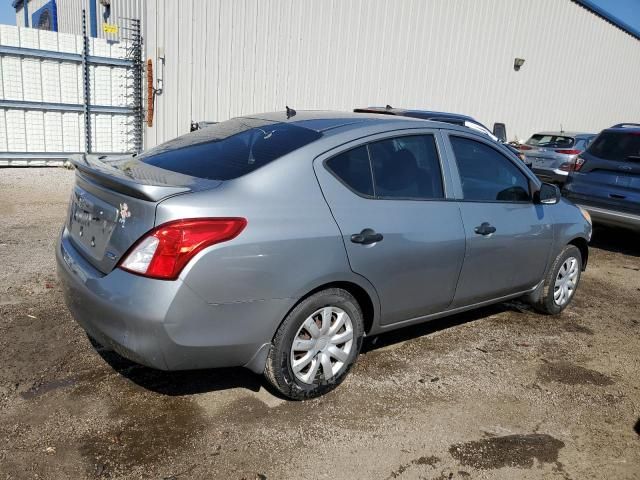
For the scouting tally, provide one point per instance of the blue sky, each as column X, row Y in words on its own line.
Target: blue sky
column 627, row 10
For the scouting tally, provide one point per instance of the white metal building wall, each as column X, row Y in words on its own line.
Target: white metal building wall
column 226, row 58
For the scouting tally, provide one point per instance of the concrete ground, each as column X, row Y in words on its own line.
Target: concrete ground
column 500, row 393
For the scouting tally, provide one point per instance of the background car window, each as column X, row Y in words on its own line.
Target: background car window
column 581, row 143
column 354, row 169
column 407, row 167
column 619, row 146
column 486, row 174
column 550, row 141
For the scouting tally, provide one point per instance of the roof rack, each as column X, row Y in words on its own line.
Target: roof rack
column 626, row 125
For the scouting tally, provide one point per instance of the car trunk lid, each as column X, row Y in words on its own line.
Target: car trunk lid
column 113, row 204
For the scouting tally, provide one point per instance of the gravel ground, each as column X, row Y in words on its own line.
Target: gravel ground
column 499, row 393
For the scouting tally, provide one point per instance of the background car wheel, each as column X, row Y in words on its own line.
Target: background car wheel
column 561, row 282
column 316, row 345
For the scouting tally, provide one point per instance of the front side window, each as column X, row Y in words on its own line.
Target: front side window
column 407, row 167
column 486, row 174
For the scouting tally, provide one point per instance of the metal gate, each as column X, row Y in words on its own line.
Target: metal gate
column 63, row 94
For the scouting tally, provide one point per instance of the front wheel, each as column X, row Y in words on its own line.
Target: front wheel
column 561, row 282
column 316, row 345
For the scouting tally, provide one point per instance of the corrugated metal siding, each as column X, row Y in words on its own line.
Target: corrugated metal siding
column 226, row 58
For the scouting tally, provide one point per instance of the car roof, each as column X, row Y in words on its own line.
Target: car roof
column 624, row 127
column 565, row 134
column 415, row 113
column 332, row 122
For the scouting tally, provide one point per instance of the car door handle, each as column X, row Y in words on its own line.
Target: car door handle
column 617, row 197
column 485, row 229
column 366, row 237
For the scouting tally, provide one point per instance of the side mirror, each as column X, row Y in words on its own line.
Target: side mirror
column 500, row 131
column 548, row 194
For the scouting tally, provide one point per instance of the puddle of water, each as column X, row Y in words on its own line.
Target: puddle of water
column 41, row 389
column 430, row 461
column 577, row 328
column 142, row 429
column 507, row 451
column 570, row 374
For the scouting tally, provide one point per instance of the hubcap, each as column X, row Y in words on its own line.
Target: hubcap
column 322, row 345
column 566, row 281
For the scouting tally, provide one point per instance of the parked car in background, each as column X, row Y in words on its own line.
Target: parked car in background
column 552, row 154
column 499, row 133
column 605, row 179
column 276, row 242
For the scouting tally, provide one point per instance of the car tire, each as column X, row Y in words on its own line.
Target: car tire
column 298, row 372
column 563, row 274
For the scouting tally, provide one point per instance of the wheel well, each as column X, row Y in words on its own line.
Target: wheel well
column 359, row 293
column 583, row 246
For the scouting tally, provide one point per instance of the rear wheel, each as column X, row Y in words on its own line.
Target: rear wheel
column 562, row 281
column 316, row 345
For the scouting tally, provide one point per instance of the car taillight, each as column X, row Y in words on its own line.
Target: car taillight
column 577, row 164
column 569, row 151
column 566, row 166
column 525, row 147
column 164, row 251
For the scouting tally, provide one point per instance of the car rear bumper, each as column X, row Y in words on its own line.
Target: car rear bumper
column 164, row 324
column 551, row 175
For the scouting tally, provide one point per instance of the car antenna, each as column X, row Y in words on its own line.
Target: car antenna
column 290, row 112
column 561, row 130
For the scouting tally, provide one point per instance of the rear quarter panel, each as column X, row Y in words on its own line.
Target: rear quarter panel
column 290, row 246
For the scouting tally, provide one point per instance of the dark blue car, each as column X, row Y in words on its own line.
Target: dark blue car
column 499, row 133
column 605, row 179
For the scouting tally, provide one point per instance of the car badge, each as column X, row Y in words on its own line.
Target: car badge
column 124, row 214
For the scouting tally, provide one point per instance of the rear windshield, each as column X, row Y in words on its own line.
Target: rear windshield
column 617, row 146
column 551, row 141
column 230, row 149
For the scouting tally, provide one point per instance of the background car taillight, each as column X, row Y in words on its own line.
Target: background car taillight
column 164, row 251
column 566, row 167
column 568, row 151
column 577, row 164
column 525, row 147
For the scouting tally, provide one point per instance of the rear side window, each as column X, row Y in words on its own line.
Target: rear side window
column 582, row 143
column 399, row 168
column 621, row 146
column 551, row 141
column 353, row 169
column 486, row 174
column 230, row 149
column 407, row 167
